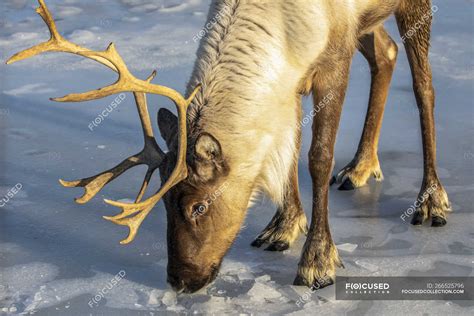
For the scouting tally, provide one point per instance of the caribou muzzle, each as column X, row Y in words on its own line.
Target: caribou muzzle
column 186, row 278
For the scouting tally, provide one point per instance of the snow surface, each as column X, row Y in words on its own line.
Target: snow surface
column 56, row 256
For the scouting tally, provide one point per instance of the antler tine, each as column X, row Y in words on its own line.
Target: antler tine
column 144, row 186
column 43, row 11
column 152, row 155
column 94, row 184
column 56, row 43
column 126, row 82
column 110, row 58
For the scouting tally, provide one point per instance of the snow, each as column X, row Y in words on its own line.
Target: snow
column 169, row 299
column 347, row 247
column 263, row 290
column 34, row 88
column 57, row 256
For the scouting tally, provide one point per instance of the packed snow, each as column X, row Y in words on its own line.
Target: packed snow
column 60, row 258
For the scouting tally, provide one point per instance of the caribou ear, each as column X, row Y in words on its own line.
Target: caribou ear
column 208, row 148
column 209, row 162
column 168, row 125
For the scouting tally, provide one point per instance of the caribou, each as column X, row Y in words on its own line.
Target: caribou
column 238, row 132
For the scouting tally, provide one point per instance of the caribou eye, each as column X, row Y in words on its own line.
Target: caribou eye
column 199, row 209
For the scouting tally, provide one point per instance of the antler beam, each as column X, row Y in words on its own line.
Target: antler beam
column 132, row 214
column 152, row 155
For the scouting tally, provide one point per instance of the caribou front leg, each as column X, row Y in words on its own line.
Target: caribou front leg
column 320, row 258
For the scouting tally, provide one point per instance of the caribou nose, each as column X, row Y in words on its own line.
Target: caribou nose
column 190, row 282
column 176, row 283
column 188, row 285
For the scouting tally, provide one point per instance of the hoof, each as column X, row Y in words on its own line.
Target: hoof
column 417, row 219
column 300, row 281
column 257, row 243
column 347, row 185
column 316, row 285
column 278, row 246
column 437, row 221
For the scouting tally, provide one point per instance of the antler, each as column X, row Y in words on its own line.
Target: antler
column 132, row 214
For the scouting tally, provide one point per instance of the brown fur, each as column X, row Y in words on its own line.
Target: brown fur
column 381, row 53
column 417, row 48
column 328, row 74
column 319, row 258
column 243, row 133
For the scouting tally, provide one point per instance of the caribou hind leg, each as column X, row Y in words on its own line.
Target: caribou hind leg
column 381, row 52
column 414, row 23
column 289, row 221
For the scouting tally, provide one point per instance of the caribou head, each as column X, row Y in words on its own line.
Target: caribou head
column 196, row 177
column 201, row 209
